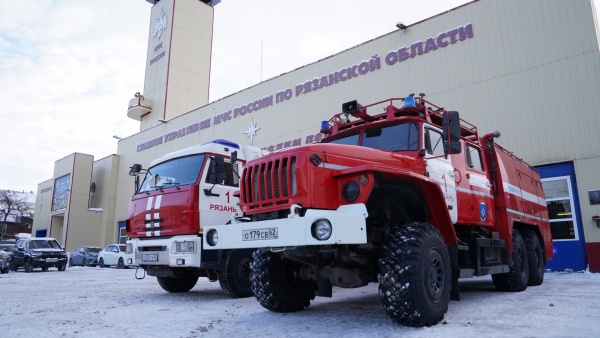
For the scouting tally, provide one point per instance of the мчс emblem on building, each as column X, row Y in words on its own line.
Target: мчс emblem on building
column 251, row 131
column 161, row 24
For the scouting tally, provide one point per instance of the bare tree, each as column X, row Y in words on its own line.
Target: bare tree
column 13, row 205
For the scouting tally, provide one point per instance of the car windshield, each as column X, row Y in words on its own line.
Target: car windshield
column 44, row 244
column 399, row 137
column 122, row 248
column 176, row 172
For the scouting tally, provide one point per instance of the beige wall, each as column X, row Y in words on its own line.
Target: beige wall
column 588, row 178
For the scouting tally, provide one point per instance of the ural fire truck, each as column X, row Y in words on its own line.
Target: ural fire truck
column 181, row 192
column 413, row 198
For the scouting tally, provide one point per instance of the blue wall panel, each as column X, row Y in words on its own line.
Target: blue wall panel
column 568, row 255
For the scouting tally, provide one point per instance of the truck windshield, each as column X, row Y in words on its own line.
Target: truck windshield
column 176, row 172
column 399, row 137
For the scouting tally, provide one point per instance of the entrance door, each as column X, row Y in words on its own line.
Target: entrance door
column 560, row 188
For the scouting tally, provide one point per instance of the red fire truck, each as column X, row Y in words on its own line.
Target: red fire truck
column 181, row 192
column 413, row 198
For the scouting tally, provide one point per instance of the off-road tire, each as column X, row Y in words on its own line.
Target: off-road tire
column 517, row 278
column 276, row 284
column 234, row 274
column 177, row 284
column 535, row 257
column 121, row 264
column 415, row 275
column 62, row 267
column 101, row 263
column 28, row 266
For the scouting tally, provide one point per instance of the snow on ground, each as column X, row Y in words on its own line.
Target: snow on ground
column 95, row 302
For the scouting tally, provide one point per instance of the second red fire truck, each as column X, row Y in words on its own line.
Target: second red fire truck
column 413, row 198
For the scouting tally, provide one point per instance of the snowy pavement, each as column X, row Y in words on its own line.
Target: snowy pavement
column 95, row 302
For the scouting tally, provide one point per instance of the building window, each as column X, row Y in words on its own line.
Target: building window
column 122, row 236
column 559, row 199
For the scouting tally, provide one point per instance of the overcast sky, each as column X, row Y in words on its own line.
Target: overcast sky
column 69, row 67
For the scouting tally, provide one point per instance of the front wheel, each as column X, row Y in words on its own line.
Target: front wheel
column 415, row 275
column 28, row 265
column 177, row 284
column 234, row 274
column 101, row 263
column 62, row 267
column 120, row 264
column 276, row 284
column 518, row 276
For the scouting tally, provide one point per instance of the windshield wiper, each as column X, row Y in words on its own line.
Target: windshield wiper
column 176, row 184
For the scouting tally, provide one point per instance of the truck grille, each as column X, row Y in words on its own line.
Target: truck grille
column 269, row 182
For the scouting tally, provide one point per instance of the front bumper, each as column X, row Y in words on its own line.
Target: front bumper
column 348, row 224
column 163, row 251
column 39, row 262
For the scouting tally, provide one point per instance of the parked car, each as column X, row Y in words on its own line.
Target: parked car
column 4, row 261
column 85, row 256
column 113, row 255
column 38, row 252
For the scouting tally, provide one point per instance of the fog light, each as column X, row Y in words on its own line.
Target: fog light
column 321, row 229
column 129, row 261
column 350, row 191
column 180, row 261
column 212, row 237
column 184, row 246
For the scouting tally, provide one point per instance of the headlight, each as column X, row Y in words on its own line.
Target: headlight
column 350, row 191
column 184, row 246
column 212, row 237
column 321, row 229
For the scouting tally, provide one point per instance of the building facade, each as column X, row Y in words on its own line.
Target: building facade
column 530, row 69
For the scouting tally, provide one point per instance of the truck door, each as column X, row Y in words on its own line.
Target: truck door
column 440, row 167
column 216, row 201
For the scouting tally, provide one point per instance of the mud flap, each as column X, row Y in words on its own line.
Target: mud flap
column 454, row 290
column 324, row 289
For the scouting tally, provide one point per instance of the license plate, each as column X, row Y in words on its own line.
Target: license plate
column 51, row 260
column 260, row 234
column 150, row 258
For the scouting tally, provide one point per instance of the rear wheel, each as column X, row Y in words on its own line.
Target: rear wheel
column 535, row 257
column 517, row 278
column 415, row 275
column 177, row 284
column 28, row 265
column 276, row 284
column 234, row 274
column 101, row 263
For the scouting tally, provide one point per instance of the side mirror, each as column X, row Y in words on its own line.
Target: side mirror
column 217, row 170
column 451, row 128
column 135, row 169
column 233, row 157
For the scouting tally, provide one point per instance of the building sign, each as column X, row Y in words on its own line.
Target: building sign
column 61, row 192
column 347, row 73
